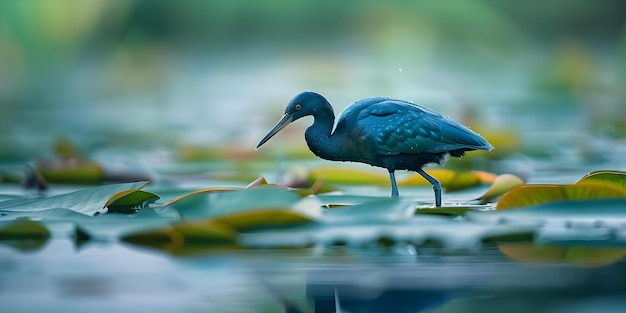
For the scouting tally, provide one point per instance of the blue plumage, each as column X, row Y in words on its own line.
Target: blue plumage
column 383, row 132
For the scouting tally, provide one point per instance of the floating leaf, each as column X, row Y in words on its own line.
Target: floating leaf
column 449, row 210
column 193, row 198
column 462, row 180
column 614, row 178
column 272, row 217
column 263, row 207
column 486, row 177
column 340, row 200
column 606, row 212
column 578, row 255
column 185, row 237
column 130, row 201
column 450, row 180
column 530, row 195
column 349, row 175
column 257, row 182
column 24, row 234
column 71, row 171
column 244, row 208
column 418, row 230
column 86, row 201
column 441, row 174
column 317, row 186
column 502, row 184
column 379, row 210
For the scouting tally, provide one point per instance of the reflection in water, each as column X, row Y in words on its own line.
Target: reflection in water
column 354, row 297
column 109, row 277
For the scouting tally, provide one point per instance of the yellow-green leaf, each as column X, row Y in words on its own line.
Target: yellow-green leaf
column 89, row 201
column 130, row 201
column 450, row 180
column 190, row 195
column 577, row 255
column 502, row 184
column 447, row 210
column 349, row 175
column 186, row 237
column 72, row 171
column 462, row 180
column 24, row 234
column 444, row 176
column 528, row 195
column 294, row 213
column 261, row 181
column 614, row 178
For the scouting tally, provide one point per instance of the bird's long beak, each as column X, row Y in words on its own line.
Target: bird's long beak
column 284, row 121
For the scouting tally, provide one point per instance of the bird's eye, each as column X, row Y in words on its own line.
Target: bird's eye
column 298, row 107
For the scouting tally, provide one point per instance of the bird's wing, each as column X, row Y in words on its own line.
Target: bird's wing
column 399, row 129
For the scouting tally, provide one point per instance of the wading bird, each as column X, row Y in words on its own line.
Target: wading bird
column 383, row 132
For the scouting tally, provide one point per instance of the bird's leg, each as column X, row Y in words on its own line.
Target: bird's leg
column 394, row 187
column 436, row 186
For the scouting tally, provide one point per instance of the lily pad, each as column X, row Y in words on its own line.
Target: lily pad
column 349, row 175
column 71, row 171
column 451, row 210
column 263, row 207
column 584, row 256
column 24, row 234
column 244, row 208
column 608, row 212
column 450, row 180
column 614, row 178
column 130, row 201
column 380, row 210
column 502, row 184
column 86, row 201
column 441, row 174
column 418, row 230
column 185, row 237
column 193, row 198
column 531, row 195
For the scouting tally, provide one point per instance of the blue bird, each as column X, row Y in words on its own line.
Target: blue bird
column 383, row 132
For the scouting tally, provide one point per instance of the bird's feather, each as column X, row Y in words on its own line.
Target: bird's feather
column 402, row 127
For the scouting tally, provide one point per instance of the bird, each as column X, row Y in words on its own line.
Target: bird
column 382, row 132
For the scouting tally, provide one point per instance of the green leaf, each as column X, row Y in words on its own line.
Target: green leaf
column 86, row 201
column 450, row 210
column 461, row 181
column 339, row 200
column 584, row 256
column 450, row 180
column 185, row 238
column 71, row 172
column 609, row 212
column 614, row 178
column 130, row 201
column 349, row 175
column 502, row 184
column 380, row 210
column 193, row 199
column 531, row 195
column 441, row 174
column 24, row 234
column 262, row 207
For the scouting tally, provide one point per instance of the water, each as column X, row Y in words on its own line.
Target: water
column 134, row 105
column 105, row 277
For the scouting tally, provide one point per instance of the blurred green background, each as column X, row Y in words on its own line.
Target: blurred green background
column 161, row 74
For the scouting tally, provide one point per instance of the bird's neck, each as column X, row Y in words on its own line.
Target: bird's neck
column 319, row 135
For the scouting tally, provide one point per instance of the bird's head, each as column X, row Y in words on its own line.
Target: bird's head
column 305, row 103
